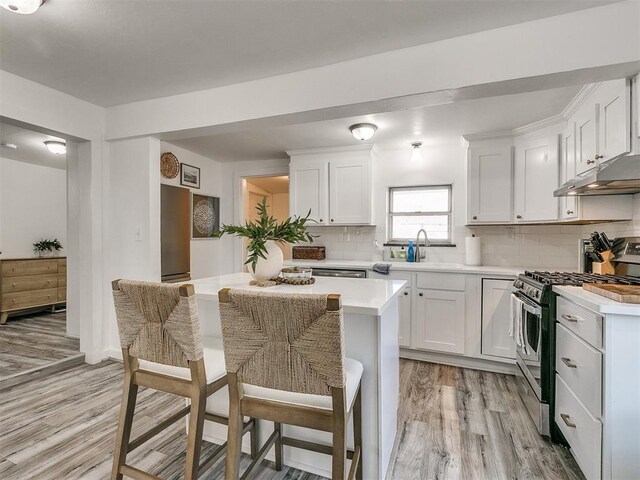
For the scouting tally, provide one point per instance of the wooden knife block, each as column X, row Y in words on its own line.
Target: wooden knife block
column 605, row 267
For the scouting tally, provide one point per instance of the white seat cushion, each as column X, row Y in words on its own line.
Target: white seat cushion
column 213, row 362
column 353, row 369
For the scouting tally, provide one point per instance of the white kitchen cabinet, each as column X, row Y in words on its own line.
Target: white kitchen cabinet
column 536, row 178
column 335, row 183
column 585, row 120
column 440, row 321
column 496, row 317
column 308, row 190
column 568, row 204
column 490, row 183
column 350, row 191
column 614, row 118
column 405, row 301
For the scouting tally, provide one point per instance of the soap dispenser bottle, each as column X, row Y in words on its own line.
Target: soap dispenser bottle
column 410, row 252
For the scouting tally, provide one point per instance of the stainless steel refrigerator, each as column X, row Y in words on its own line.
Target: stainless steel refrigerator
column 175, row 238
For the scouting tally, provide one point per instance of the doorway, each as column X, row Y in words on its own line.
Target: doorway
column 275, row 189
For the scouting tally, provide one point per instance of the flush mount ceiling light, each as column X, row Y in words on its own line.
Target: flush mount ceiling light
column 416, row 156
column 363, row 131
column 59, row 148
column 24, row 7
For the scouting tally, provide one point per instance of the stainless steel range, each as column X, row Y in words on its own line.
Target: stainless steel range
column 535, row 304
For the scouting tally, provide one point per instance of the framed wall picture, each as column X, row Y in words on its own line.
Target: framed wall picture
column 205, row 216
column 189, row 176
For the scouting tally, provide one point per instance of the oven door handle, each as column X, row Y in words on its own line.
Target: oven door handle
column 528, row 305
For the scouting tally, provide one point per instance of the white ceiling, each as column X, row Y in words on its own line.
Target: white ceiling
column 30, row 147
column 119, row 51
column 431, row 125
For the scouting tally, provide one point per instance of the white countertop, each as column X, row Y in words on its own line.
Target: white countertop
column 596, row 302
column 408, row 266
column 361, row 296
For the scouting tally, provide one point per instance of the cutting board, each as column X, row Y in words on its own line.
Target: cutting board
column 619, row 293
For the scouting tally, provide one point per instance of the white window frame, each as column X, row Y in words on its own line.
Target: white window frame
column 448, row 213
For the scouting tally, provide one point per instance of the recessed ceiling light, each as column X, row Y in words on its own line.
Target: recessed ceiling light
column 593, row 185
column 363, row 131
column 572, row 192
column 58, row 148
column 24, row 7
column 9, row 145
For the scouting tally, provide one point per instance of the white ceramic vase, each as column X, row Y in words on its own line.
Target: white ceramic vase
column 269, row 268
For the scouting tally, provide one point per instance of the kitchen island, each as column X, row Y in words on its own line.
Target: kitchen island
column 370, row 309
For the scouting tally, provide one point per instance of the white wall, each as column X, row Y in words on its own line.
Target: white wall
column 205, row 253
column 34, row 206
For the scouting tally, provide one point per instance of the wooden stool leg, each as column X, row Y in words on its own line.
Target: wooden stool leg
column 254, row 436
column 127, row 408
column 357, row 430
column 278, row 428
column 339, row 434
column 234, row 430
column 194, row 439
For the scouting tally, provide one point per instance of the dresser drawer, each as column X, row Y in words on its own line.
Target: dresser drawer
column 580, row 366
column 62, row 266
column 585, row 323
column 582, row 431
column 441, row 281
column 14, row 301
column 12, row 268
column 62, row 294
column 29, row 282
column 62, row 280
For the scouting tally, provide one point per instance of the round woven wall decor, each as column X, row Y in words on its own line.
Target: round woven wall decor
column 169, row 165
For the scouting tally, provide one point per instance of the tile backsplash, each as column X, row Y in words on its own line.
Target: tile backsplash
column 531, row 246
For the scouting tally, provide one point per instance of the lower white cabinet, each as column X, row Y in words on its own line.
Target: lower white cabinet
column 496, row 315
column 440, row 320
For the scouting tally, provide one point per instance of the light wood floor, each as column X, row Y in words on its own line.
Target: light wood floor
column 454, row 424
column 34, row 341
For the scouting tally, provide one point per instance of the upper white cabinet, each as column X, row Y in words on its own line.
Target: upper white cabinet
column 536, row 178
column 334, row 183
column 496, row 317
column 490, row 182
column 568, row 204
column 585, row 120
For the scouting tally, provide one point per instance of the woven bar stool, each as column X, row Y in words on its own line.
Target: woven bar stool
column 162, row 349
column 285, row 363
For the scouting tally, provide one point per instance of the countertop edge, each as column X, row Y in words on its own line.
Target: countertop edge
column 597, row 303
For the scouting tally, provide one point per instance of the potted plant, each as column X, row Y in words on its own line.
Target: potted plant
column 46, row 247
column 264, row 257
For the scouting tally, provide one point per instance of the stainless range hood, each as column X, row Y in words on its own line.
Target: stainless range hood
column 617, row 176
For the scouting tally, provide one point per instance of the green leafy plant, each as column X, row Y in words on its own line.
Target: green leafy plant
column 292, row 230
column 46, row 245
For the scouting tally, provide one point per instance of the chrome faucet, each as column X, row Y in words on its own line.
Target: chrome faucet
column 427, row 243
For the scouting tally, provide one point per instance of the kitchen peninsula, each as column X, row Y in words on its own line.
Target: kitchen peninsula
column 371, row 336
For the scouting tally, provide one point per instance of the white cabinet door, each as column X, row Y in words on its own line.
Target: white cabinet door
column 349, row 191
column 440, row 321
column 404, row 329
column 568, row 204
column 496, row 315
column 490, row 187
column 614, row 119
column 308, row 190
column 536, row 178
column 586, row 137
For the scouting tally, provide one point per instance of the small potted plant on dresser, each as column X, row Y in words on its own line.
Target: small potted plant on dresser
column 47, row 248
column 264, row 257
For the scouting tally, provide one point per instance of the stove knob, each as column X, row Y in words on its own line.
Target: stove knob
column 537, row 294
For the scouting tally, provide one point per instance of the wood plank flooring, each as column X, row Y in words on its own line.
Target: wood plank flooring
column 34, row 341
column 456, row 423
column 453, row 424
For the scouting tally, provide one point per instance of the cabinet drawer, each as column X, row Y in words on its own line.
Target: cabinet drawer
column 14, row 301
column 441, row 281
column 62, row 280
column 582, row 431
column 580, row 366
column 584, row 323
column 29, row 282
column 12, row 268
column 62, row 294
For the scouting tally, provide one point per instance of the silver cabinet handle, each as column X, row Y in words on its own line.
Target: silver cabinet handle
column 565, row 418
column 598, row 157
column 568, row 362
column 589, row 162
column 569, row 318
column 569, row 212
column 518, row 216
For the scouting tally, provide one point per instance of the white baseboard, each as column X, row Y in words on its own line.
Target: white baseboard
column 459, row 361
column 112, row 354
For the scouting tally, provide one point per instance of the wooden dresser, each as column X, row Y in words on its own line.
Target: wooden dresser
column 31, row 282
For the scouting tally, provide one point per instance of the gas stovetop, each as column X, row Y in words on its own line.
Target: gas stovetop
column 577, row 279
column 537, row 285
